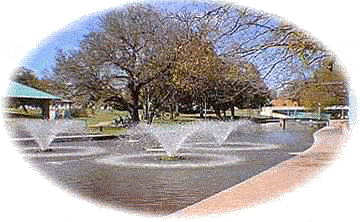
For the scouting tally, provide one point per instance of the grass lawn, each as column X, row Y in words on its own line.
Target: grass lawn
column 104, row 118
column 21, row 113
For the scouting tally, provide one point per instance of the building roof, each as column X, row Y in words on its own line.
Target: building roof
column 17, row 90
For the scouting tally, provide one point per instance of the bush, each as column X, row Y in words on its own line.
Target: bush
column 78, row 112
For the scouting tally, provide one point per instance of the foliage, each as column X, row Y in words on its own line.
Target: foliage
column 196, row 67
column 140, row 55
column 77, row 112
column 298, row 42
column 220, row 82
column 245, row 89
column 327, row 87
column 28, row 77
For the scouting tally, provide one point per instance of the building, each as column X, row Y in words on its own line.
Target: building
column 24, row 95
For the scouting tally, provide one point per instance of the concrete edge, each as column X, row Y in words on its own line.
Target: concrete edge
column 345, row 131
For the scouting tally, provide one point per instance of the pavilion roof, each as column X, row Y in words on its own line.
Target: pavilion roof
column 17, row 90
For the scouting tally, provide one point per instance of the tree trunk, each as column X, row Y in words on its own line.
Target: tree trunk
column 217, row 112
column 202, row 111
column 151, row 117
column 147, row 105
column 134, row 104
column 45, row 109
column 134, row 114
column 232, row 112
column 172, row 110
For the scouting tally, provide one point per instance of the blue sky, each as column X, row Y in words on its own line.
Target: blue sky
column 43, row 57
column 69, row 37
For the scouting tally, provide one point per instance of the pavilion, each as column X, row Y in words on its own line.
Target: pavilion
column 25, row 95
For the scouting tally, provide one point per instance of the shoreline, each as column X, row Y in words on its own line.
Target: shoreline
column 270, row 184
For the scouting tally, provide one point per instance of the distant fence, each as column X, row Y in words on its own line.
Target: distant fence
column 304, row 115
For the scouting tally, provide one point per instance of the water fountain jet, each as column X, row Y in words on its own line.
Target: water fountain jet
column 219, row 130
column 171, row 137
column 45, row 131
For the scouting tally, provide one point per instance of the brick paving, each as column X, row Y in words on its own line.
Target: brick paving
column 278, row 180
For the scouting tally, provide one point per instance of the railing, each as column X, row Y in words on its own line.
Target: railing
column 304, row 115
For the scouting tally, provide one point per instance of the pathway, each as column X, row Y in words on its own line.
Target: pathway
column 282, row 178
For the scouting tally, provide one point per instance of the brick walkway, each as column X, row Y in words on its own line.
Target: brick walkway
column 282, row 178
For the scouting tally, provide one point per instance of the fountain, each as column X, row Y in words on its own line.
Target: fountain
column 221, row 129
column 45, row 131
column 171, row 137
column 171, row 155
column 134, row 176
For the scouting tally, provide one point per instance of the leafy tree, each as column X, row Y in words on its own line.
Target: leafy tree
column 242, row 89
column 221, row 83
column 28, row 77
column 24, row 76
column 327, row 87
column 195, row 67
column 214, row 53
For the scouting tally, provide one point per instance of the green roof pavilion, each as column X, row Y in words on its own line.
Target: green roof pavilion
column 29, row 96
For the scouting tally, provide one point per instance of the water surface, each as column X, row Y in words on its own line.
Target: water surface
column 164, row 190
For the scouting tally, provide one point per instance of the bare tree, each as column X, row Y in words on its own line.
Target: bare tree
column 200, row 51
column 131, row 39
column 257, row 37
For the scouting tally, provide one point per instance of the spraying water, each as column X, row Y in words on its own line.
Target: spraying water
column 45, row 131
column 171, row 136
